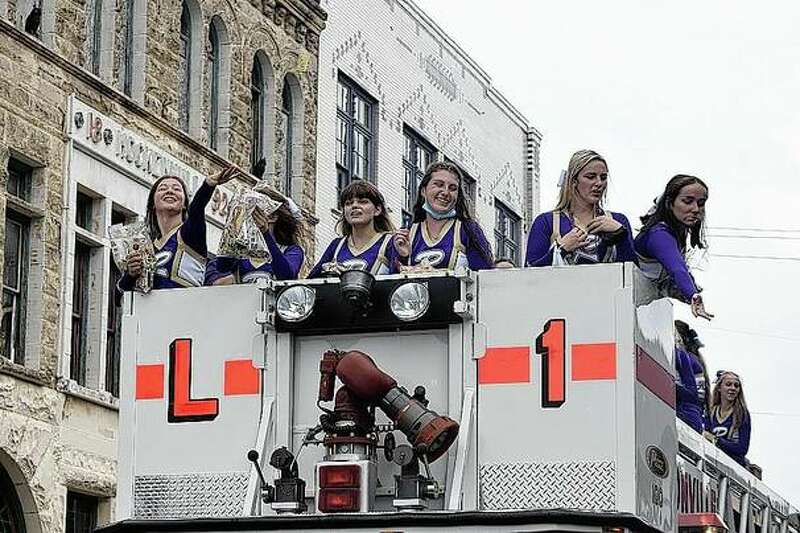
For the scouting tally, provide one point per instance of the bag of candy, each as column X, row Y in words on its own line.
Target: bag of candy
column 241, row 236
column 127, row 239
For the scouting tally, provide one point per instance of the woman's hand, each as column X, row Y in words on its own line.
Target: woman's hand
column 573, row 240
column 698, row 309
column 402, row 243
column 710, row 437
column 224, row 176
column 263, row 221
column 603, row 224
column 134, row 264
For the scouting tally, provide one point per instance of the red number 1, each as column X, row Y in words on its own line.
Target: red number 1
column 550, row 345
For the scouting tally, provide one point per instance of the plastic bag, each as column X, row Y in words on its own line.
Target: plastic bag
column 241, row 236
column 130, row 238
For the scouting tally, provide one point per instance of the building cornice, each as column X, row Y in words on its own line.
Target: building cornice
column 303, row 20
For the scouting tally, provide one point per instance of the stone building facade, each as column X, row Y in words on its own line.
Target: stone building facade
column 395, row 93
column 97, row 98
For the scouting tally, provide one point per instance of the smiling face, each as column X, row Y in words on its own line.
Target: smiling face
column 689, row 206
column 441, row 192
column 591, row 183
column 360, row 211
column 729, row 387
column 169, row 196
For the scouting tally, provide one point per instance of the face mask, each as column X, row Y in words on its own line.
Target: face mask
column 437, row 214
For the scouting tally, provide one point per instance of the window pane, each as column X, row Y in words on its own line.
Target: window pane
column 81, row 513
column 12, row 254
column 408, row 151
column 83, row 211
column 19, row 179
column 80, row 298
column 112, row 332
column 341, row 141
column 362, row 112
column 343, row 95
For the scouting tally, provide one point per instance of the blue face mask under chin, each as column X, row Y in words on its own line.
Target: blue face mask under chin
column 438, row 215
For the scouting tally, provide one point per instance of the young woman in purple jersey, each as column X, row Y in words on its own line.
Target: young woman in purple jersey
column 178, row 230
column 692, row 387
column 579, row 230
column 280, row 230
column 678, row 216
column 728, row 423
column 444, row 233
column 366, row 241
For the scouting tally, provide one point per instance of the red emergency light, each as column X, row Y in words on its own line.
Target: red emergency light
column 700, row 523
column 340, row 488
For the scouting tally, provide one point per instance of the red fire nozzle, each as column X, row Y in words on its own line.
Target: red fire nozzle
column 429, row 433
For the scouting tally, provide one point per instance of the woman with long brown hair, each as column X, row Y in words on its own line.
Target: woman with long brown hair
column 366, row 241
column 678, row 215
column 178, row 230
column 280, row 231
column 444, row 233
column 728, row 424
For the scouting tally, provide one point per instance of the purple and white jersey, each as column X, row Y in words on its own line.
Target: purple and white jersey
column 446, row 252
column 177, row 264
column 376, row 257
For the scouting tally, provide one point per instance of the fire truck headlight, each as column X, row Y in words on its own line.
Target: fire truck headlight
column 296, row 303
column 409, row 301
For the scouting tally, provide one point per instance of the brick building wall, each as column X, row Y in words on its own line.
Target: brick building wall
column 58, row 430
column 418, row 80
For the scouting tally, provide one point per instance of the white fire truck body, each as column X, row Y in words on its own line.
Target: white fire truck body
column 562, row 387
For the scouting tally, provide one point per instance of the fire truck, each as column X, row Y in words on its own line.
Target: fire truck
column 504, row 400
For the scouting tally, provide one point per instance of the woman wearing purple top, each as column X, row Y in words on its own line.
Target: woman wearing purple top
column 280, row 231
column 679, row 214
column 692, row 386
column 366, row 242
column 579, row 230
column 728, row 423
column 444, row 233
column 178, row 230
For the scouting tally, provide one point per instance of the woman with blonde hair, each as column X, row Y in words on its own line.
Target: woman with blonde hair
column 579, row 230
column 728, row 423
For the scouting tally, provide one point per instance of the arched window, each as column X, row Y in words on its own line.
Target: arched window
column 11, row 517
column 288, row 136
column 257, row 97
column 185, row 67
column 262, row 113
column 218, row 69
column 292, row 111
column 213, row 67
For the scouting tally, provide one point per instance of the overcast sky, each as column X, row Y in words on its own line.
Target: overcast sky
column 708, row 88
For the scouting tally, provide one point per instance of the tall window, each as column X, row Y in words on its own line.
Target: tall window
column 185, row 54
column 94, row 33
column 126, row 67
column 80, row 312
column 214, row 85
column 287, row 110
column 81, row 513
column 257, row 98
column 417, row 155
column 15, row 263
column 355, row 133
column 506, row 233
column 114, row 320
